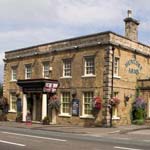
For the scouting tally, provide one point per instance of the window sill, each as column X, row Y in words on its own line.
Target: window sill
column 12, row 111
column 116, row 77
column 69, row 77
column 88, row 76
column 87, row 117
column 115, row 118
column 13, row 80
column 64, row 115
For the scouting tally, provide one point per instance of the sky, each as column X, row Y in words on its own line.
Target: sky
column 25, row 23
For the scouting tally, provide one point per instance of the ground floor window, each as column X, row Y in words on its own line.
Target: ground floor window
column 13, row 99
column 87, row 103
column 148, row 109
column 65, row 103
column 115, row 113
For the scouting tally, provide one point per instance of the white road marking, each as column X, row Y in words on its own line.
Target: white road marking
column 94, row 135
column 32, row 136
column 120, row 138
column 146, row 140
column 1, row 141
column 126, row 148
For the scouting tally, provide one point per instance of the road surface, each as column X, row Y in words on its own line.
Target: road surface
column 29, row 139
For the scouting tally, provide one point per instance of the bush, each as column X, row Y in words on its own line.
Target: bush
column 19, row 117
column 138, row 111
column 138, row 122
column 46, row 120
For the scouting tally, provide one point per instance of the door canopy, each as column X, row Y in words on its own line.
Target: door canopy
column 38, row 85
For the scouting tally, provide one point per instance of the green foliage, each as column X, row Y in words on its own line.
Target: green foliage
column 137, row 94
column 19, row 117
column 138, row 121
column 140, row 114
column 1, row 89
column 46, row 120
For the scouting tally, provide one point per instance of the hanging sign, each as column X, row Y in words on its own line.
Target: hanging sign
column 133, row 66
column 50, row 87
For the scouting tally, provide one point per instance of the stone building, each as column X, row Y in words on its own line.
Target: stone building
column 97, row 65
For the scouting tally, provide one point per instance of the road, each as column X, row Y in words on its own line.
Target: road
column 29, row 139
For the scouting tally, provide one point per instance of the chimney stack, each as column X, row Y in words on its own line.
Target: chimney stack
column 131, row 27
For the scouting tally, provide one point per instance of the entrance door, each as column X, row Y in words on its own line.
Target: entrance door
column 36, row 109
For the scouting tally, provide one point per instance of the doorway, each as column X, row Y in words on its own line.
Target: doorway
column 34, row 106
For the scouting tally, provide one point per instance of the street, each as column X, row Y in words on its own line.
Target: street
column 29, row 139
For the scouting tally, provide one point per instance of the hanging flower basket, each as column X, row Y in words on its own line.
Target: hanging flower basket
column 114, row 101
column 54, row 104
column 96, row 103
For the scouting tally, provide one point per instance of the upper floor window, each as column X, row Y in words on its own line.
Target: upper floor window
column 46, row 69
column 14, row 73
column 87, row 103
column 65, row 103
column 89, row 67
column 28, row 71
column 116, row 66
column 67, row 68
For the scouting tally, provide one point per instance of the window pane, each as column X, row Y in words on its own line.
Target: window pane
column 14, row 73
column 65, row 102
column 13, row 101
column 67, row 68
column 46, row 70
column 28, row 71
column 89, row 66
column 88, row 96
column 116, row 66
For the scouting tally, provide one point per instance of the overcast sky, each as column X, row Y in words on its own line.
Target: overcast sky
column 25, row 23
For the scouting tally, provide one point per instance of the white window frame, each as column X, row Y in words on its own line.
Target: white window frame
column 116, row 66
column 84, row 115
column 14, row 73
column 67, row 68
column 28, row 71
column 148, row 108
column 115, row 113
column 69, row 102
column 89, row 66
column 11, row 109
column 46, row 69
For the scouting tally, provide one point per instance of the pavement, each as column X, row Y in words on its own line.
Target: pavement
column 77, row 129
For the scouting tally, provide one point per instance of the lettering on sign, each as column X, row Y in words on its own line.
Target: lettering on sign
column 133, row 66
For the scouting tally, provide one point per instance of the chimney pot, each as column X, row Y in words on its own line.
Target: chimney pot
column 129, row 13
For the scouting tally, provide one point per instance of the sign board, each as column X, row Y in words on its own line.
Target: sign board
column 75, row 107
column 133, row 66
column 50, row 87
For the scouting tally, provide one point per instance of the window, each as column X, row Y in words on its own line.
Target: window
column 89, row 66
column 67, row 68
column 14, row 73
column 115, row 113
column 87, row 103
column 65, row 103
column 28, row 71
column 13, row 99
column 46, row 69
column 116, row 66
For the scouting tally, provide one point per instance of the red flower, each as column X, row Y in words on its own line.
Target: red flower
column 114, row 101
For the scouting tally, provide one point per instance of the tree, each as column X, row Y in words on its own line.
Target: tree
column 1, row 89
